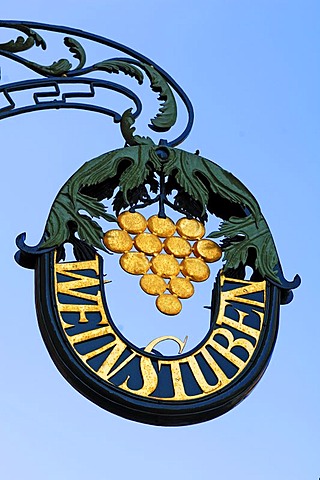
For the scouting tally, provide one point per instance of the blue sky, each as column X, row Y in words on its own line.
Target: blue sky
column 251, row 70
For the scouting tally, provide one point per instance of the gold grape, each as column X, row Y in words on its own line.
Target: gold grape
column 165, row 266
column 196, row 269
column 177, row 246
column 190, row 228
column 162, row 227
column 168, row 304
column 182, row 287
column 135, row 263
column 208, row 250
column 181, row 241
column 132, row 222
column 118, row 241
column 148, row 243
column 153, row 284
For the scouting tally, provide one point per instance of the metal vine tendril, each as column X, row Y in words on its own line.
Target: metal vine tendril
column 61, row 72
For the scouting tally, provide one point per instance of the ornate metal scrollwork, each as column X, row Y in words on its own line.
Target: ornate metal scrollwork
column 61, row 72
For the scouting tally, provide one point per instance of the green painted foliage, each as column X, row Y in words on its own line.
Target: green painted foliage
column 127, row 130
column 161, row 122
column 189, row 172
column 186, row 167
column 256, row 235
column 117, row 66
column 70, row 201
column 167, row 115
column 106, row 166
column 78, row 51
column 64, row 210
column 62, row 66
column 57, row 69
column 21, row 44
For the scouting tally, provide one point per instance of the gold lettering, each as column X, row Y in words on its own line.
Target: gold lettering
column 89, row 335
column 177, row 380
column 81, row 281
column 64, row 267
column 179, row 392
column 149, row 376
column 239, row 325
column 82, row 310
column 226, row 352
column 236, row 294
column 157, row 340
column 221, row 376
column 200, row 378
column 118, row 349
column 96, row 352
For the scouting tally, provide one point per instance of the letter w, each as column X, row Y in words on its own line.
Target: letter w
column 81, row 281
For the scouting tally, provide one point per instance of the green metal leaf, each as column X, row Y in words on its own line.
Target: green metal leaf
column 257, row 236
column 56, row 230
column 70, row 201
column 167, row 115
column 199, row 177
column 106, row 166
column 56, row 69
column 21, row 44
column 93, row 207
column 39, row 41
column 90, row 231
column 127, row 130
column 78, row 51
column 65, row 210
column 117, row 66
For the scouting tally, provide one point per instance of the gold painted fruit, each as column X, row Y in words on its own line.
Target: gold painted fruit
column 162, row 227
column 208, row 250
column 135, row 263
column 165, row 266
column 195, row 269
column 182, row 287
column 148, row 243
column 190, row 228
column 132, row 222
column 153, row 284
column 177, row 246
column 168, row 304
column 118, row 241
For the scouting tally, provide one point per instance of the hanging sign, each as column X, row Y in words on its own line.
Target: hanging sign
column 169, row 258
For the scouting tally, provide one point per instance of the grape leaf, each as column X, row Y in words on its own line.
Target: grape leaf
column 200, row 177
column 257, row 236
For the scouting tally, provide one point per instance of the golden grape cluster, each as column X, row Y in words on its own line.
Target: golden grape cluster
column 176, row 254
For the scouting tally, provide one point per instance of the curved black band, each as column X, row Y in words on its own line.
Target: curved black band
column 125, row 404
